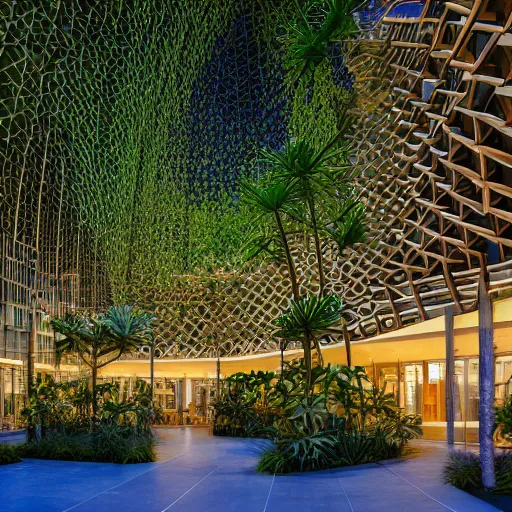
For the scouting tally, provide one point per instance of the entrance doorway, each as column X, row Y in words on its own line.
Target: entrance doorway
column 423, row 392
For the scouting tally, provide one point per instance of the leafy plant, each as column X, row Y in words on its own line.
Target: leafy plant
column 304, row 192
column 9, row 454
column 310, row 415
column 343, row 420
column 503, row 416
column 308, row 35
column 463, row 471
column 309, row 316
column 305, row 453
column 399, row 429
column 356, row 448
column 100, row 339
column 305, row 320
column 105, row 443
column 350, row 228
column 271, row 200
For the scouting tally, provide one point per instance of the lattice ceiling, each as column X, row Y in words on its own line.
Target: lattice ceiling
column 125, row 127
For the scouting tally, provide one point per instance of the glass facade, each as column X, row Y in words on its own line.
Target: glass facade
column 420, row 388
column 12, row 397
column 503, row 378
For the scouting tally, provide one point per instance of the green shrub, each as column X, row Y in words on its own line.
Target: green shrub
column 274, row 461
column 9, row 454
column 326, row 450
column 464, row 472
column 357, row 448
column 105, row 443
column 123, row 445
column 307, row 453
column 343, row 419
column 65, row 407
column 74, row 447
column 503, row 416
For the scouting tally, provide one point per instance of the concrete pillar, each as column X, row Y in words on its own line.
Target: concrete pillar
column 450, row 376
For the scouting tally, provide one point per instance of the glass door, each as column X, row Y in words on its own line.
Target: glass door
column 434, row 406
column 412, row 389
column 388, row 377
column 503, row 378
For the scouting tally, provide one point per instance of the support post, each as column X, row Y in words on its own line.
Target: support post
column 346, row 338
column 450, row 376
column 486, row 382
column 31, row 355
column 218, row 378
column 152, row 368
column 398, row 382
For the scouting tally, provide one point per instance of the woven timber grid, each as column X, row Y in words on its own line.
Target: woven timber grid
column 434, row 170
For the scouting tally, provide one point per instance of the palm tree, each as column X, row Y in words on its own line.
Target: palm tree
column 310, row 169
column 306, row 320
column 271, row 200
column 308, row 192
column 101, row 339
column 307, row 40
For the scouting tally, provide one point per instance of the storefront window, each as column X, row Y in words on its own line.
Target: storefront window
column 388, row 378
column 413, row 388
column 170, row 402
column 458, row 391
column 12, row 391
column 473, row 392
column 503, row 378
column 434, row 407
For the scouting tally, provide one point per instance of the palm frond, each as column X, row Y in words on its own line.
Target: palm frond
column 269, row 197
column 351, row 228
column 310, row 315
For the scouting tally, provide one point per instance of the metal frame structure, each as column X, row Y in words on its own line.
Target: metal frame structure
column 432, row 160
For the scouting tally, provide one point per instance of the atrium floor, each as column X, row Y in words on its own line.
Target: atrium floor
column 200, row 473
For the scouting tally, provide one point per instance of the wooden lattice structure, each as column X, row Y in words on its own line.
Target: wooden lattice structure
column 432, row 159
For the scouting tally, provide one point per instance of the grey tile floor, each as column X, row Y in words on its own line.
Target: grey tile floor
column 200, row 473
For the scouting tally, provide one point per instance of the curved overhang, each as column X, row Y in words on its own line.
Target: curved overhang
column 417, row 342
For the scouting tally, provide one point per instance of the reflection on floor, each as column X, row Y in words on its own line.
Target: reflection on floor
column 200, row 473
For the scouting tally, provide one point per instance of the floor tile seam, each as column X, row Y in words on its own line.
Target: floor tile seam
column 346, row 495
column 156, row 466
column 268, row 495
column 186, row 492
column 421, row 490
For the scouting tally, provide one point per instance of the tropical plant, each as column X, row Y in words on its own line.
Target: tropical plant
column 311, row 170
column 357, row 448
column 464, row 471
column 305, row 191
column 246, row 406
column 503, row 416
column 45, row 408
column 343, row 420
column 306, row 319
column 100, row 339
column 350, row 227
column 9, row 454
column 303, row 453
column 271, row 200
column 309, row 33
column 399, row 429
column 105, row 443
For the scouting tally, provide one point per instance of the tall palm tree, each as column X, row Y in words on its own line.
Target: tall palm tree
column 308, row 37
column 101, row 339
column 271, row 200
column 306, row 189
column 306, row 320
column 311, row 171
